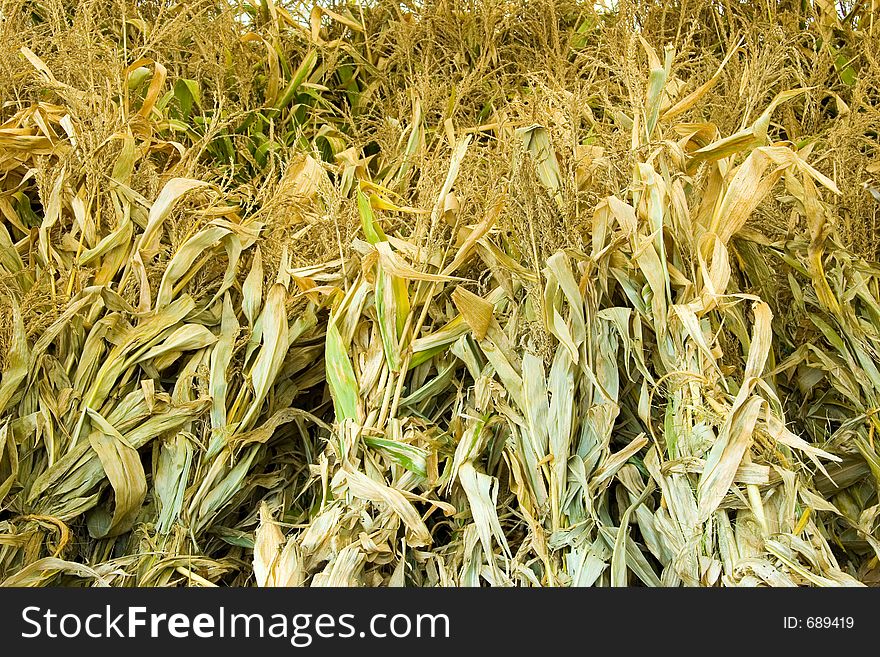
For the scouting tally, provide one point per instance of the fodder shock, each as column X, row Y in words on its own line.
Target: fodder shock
column 486, row 293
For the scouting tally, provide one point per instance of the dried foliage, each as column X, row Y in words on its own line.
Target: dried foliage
column 457, row 293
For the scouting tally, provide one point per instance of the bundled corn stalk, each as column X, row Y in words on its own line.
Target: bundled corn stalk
column 322, row 322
